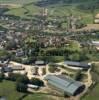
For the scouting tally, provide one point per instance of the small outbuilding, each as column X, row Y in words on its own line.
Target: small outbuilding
column 7, row 69
column 39, row 63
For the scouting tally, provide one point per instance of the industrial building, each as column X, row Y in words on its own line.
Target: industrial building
column 78, row 65
column 65, row 85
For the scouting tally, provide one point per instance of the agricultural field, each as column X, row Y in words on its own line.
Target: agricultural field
column 22, row 2
column 28, row 8
column 25, row 12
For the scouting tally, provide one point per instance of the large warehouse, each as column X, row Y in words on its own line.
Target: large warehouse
column 65, row 85
column 81, row 65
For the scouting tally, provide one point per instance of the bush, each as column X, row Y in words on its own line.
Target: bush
column 36, row 81
column 77, row 75
column 52, row 69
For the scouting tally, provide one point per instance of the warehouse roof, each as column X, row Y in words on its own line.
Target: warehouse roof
column 67, row 85
column 77, row 64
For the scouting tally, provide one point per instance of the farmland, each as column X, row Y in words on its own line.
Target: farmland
column 22, row 2
column 29, row 8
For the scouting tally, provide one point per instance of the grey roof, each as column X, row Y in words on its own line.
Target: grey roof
column 77, row 64
column 96, row 43
column 39, row 62
column 7, row 69
column 67, row 85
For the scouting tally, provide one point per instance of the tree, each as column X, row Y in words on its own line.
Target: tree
column 74, row 57
column 4, row 54
column 36, row 81
column 21, row 87
column 13, row 76
column 77, row 75
column 23, row 79
column 1, row 76
column 11, row 45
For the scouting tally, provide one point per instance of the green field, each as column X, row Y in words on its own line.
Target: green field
column 22, row 2
column 7, row 89
column 40, row 97
column 93, row 95
column 29, row 9
column 25, row 11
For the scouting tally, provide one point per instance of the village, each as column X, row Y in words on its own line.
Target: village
column 75, row 75
column 55, row 57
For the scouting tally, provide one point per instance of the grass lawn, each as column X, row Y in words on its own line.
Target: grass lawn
column 93, row 95
column 39, row 97
column 7, row 89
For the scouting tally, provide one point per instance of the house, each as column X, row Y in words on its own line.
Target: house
column 19, row 53
column 7, row 69
column 65, row 85
column 77, row 65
